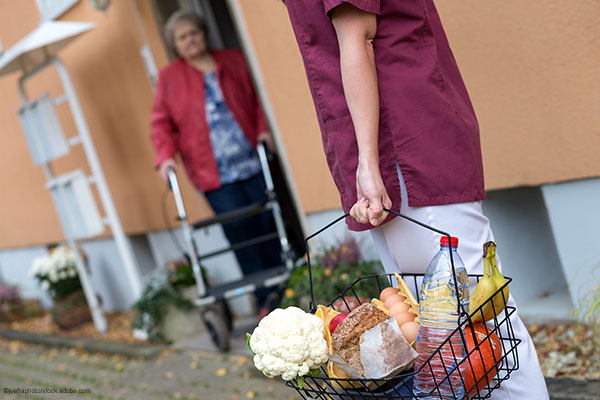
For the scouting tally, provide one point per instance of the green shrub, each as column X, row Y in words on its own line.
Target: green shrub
column 332, row 272
column 590, row 311
column 163, row 289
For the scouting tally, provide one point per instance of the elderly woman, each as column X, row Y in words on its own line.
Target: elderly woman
column 206, row 110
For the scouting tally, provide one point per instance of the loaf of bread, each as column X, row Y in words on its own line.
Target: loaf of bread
column 345, row 340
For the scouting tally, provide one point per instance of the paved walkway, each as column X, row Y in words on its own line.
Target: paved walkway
column 191, row 369
column 172, row 375
column 571, row 389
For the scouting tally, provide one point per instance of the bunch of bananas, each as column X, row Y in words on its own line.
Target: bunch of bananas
column 491, row 282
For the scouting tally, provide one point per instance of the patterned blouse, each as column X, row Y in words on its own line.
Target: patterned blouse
column 236, row 159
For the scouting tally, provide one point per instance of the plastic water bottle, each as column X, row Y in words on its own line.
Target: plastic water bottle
column 438, row 313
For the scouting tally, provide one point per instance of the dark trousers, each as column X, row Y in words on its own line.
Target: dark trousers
column 253, row 258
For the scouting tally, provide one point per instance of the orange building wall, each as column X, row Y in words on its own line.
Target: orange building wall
column 531, row 68
column 26, row 212
column 115, row 95
column 533, row 72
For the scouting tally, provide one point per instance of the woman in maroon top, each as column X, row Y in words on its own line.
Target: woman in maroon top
column 399, row 131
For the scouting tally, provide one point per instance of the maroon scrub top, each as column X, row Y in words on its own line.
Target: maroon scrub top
column 427, row 122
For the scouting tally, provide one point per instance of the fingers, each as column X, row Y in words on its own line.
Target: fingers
column 164, row 168
column 163, row 174
column 375, row 212
column 165, row 177
column 365, row 211
column 268, row 139
column 270, row 144
column 387, row 202
column 380, row 216
column 359, row 211
column 373, row 196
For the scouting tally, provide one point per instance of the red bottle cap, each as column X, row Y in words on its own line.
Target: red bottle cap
column 444, row 241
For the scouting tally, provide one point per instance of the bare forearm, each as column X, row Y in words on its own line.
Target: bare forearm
column 355, row 30
column 359, row 78
column 360, row 85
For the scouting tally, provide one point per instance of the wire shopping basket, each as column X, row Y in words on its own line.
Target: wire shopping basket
column 479, row 370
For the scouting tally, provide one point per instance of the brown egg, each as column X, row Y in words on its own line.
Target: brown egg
column 410, row 330
column 387, row 292
column 393, row 299
column 399, row 307
column 403, row 317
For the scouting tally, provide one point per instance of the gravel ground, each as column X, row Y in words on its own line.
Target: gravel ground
column 119, row 327
column 173, row 375
column 565, row 349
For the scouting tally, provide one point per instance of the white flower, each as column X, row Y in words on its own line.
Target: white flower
column 65, row 255
column 52, row 276
column 42, row 265
column 54, row 266
column 36, row 266
column 62, row 259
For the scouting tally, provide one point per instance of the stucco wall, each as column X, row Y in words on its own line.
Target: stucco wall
column 531, row 68
column 115, row 95
column 574, row 221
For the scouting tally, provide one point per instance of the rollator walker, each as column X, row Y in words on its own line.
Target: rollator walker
column 213, row 299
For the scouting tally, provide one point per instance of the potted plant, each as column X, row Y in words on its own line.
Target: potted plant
column 56, row 273
column 11, row 306
column 332, row 272
column 164, row 308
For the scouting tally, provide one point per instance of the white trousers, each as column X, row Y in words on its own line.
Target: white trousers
column 406, row 247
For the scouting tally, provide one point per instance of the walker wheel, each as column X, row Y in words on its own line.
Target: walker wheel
column 223, row 309
column 217, row 328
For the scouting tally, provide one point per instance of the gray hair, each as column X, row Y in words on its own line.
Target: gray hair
column 176, row 19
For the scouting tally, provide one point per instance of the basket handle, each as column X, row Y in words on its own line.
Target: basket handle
column 461, row 310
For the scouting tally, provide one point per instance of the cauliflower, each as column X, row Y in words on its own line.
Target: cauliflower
column 289, row 342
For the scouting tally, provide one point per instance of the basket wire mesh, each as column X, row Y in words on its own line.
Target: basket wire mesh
column 481, row 382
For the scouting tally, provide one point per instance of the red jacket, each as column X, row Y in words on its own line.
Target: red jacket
column 178, row 123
